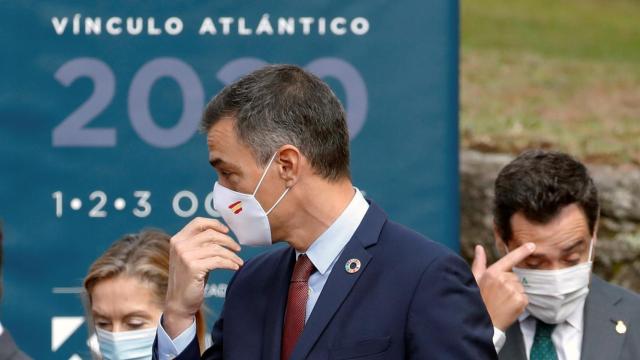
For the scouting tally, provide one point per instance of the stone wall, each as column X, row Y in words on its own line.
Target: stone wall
column 618, row 247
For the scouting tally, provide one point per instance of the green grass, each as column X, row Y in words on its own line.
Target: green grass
column 556, row 74
column 575, row 29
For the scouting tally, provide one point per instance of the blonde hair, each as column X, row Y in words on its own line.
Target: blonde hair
column 144, row 256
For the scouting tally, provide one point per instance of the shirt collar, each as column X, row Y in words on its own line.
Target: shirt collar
column 1, row 329
column 576, row 318
column 324, row 251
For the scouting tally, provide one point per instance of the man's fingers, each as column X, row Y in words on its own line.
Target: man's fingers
column 510, row 277
column 511, row 281
column 200, row 224
column 479, row 264
column 517, row 286
column 211, row 236
column 213, row 250
column 514, row 257
column 217, row 263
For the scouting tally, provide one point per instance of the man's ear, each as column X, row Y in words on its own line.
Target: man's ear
column 501, row 246
column 288, row 162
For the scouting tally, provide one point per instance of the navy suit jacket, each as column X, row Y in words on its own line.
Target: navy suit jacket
column 411, row 299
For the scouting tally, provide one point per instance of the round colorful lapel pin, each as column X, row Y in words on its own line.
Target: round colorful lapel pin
column 352, row 266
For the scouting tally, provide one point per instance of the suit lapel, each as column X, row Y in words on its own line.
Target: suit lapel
column 273, row 321
column 340, row 282
column 513, row 348
column 600, row 339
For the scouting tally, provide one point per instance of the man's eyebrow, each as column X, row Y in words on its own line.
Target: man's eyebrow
column 573, row 246
column 215, row 162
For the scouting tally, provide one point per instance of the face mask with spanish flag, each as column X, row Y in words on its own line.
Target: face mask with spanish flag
column 244, row 214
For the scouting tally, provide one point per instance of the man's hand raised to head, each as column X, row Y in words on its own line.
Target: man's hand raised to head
column 200, row 247
column 501, row 290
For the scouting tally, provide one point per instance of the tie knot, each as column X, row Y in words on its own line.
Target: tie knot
column 303, row 269
column 543, row 329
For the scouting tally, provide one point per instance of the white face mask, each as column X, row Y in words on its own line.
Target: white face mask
column 244, row 214
column 555, row 294
column 126, row 345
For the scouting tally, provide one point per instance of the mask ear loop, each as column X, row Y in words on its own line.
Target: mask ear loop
column 260, row 183
column 591, row 248
column 278, row 201
column 264, row 173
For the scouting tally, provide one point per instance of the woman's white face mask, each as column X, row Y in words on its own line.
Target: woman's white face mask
column 555, row 294
column 126, row 345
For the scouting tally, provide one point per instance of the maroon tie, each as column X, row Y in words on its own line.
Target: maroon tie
column 296, row 305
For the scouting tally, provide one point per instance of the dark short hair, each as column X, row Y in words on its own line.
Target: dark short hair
column 539, row 184
column 283, row 104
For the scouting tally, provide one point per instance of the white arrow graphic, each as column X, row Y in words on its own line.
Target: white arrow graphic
column 62, row 327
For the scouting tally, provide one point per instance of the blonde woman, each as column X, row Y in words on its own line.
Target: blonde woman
column 126, row 289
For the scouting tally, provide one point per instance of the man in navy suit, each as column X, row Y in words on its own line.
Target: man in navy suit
column 351, row 284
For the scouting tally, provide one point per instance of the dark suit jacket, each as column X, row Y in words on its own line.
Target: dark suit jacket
column 411, row 299
column 605, row 305
column 8, row 348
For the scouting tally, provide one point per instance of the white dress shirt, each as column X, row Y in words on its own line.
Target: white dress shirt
column 566, row 336
column 323, row 253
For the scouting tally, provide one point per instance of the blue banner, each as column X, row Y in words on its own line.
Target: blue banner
column 100, row 104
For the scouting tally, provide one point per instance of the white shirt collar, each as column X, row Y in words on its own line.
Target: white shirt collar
column 576, row 318
column 324, row 251
column 1, row 329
